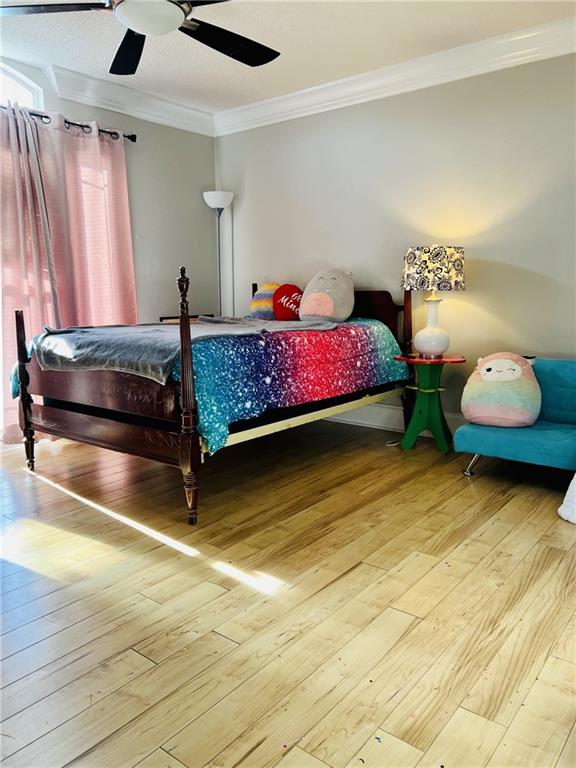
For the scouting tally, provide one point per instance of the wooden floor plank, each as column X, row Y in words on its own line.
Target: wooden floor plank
column 297, row 758
column 140, row 568
column 33, row 657
column 506, row 681
column 142, row 582
column 466, row 739
column 53, row 710
column 565, row 646
column 261, row 742
column 84, row 730
column 561, row 534
column 33, row 646
column 70, row 663
column 160, row 759
column 450, row 571
column 428, row 706
column 568, row 757
column 541, row 728
column 385, row 751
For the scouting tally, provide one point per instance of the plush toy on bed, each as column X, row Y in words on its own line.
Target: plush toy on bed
column 502, row 392
column 328, row 296
column 262, row 304
column 286, row 302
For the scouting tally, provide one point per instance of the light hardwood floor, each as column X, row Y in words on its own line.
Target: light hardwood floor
column 340, row 604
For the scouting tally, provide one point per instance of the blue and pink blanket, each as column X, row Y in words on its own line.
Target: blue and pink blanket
column 241, row 375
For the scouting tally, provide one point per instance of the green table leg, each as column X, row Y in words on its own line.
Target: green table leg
column 428, row 410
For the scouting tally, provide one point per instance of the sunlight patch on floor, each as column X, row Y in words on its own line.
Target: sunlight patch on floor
column 262, row 582
column 140, row 527
column 25, row 530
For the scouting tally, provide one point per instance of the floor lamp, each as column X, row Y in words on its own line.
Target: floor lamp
column 218, row 201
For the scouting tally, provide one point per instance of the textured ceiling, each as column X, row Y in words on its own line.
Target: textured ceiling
column 319, row 41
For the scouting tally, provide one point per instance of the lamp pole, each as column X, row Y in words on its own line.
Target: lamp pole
column 218, row 212
column 218, row 201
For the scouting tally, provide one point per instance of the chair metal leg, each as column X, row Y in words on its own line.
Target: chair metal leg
column 468, row 471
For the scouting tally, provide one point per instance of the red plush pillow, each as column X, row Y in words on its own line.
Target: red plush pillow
column 286, row 302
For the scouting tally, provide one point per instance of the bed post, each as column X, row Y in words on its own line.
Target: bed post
column 25, row 397
column 409, row 397
column 189, row 453
column 407, row 324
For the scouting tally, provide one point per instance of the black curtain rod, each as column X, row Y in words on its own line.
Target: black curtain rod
column 115, row 134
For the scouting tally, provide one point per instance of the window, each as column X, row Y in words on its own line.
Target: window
column 15, row 87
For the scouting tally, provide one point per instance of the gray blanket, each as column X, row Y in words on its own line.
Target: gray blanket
column 145, row 350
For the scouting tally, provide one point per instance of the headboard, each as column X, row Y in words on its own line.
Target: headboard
column 379, row 305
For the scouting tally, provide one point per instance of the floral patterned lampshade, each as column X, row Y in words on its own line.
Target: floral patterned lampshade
column 434, row 267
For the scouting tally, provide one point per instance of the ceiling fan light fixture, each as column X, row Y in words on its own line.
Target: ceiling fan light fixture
column 150, row 17
column 157, row 17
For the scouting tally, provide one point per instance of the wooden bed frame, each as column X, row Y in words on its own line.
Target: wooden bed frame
column 135, row 415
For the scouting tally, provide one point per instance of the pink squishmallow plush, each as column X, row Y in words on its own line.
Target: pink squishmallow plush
column 502, row 392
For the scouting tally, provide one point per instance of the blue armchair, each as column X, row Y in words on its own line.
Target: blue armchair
column 550, row 441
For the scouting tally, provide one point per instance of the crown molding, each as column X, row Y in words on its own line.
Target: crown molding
column 522, row 47
column 107, row 95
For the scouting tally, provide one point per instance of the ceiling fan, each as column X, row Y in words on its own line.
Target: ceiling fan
column 157, row 17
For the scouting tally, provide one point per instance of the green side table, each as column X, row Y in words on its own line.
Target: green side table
column 428, row 412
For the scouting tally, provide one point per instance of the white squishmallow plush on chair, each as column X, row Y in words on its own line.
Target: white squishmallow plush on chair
column 567, row 510
column 328, row 296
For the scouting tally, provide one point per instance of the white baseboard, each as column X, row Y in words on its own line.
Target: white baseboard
column 388, row 417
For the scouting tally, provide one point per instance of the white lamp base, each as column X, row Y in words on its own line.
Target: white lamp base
column 432, row 341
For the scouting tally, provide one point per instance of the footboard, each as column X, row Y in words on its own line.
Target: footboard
column 110, row 390
column 115, row 410
column 106, row 408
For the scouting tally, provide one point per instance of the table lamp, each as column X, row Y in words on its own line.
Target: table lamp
column 433, row 268
column 218, row 201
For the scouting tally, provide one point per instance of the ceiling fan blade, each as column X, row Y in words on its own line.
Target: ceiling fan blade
column 22, row 10
column 128, row 54
column 229, row 43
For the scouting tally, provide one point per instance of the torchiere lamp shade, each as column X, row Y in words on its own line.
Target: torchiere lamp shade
column 434, row 268
column 218, row 199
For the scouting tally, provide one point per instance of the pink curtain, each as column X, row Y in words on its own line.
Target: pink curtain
column 66, row 243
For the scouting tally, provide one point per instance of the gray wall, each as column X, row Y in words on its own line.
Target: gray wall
column 168, row 170
column 487, row 163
